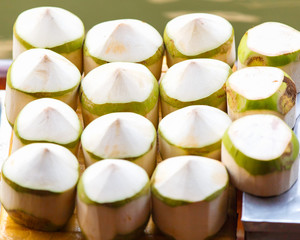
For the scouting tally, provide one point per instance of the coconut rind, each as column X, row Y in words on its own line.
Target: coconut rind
column 225, row 52
column 260, row 185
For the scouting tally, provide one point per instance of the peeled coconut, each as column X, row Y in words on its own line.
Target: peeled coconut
column 49, row 27
column 199, row 35
column 124, row 40
column 128, row 136
column 47, row 120
column 189, row 197
column 40, row 73
column 272, row 44
column 193, row 130
column 261, row 90
column 38, row 186
column 119, row 87
column 113, row 200
column 194, row 82
column 260, row 153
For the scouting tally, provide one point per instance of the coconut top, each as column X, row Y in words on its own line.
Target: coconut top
column 194, row 126
column 127, row 40
column 48, row 119
column 260, row 136
column 189, row 178
column 119, row 135
column 273, row 39
column 48, row 27
column 197, row 33
column 42, row 166
column 256, row 83
column 118, row 82
column 113, row 180
column 42, row 70
column 195, row 79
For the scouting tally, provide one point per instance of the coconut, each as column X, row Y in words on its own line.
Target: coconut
column 260, row 153
column 39, row 73
column 124, row 40
column 128, row 136
column 193, row 130
column 189, row 197
column 113, row 200
column 194, row 82
column 261, row 90
column 272, row 44
column 52, row 28
column 119, row 87
column 199, row 35
column 38, row 186
column 47, row 120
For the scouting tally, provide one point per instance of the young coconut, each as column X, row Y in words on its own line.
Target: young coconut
column 124, row 40
column 47, row 120
column 39, row 73
column 124, row 135
column 189, row 197
column 193, row 130
column 272, row 44
column 113, row 200
column 199, row 35
column 260, row 153
column 119, row 87
column 194, row 82
column 38, row 186
column 261, row 90
column 52, row 28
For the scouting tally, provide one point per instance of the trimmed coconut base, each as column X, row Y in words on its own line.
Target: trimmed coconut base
column 267, row 185
column 192, row 221
column 105, row 223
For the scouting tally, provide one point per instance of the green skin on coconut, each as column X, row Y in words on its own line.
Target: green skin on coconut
column 154, row 63
column 222, row 52
column 108, row 228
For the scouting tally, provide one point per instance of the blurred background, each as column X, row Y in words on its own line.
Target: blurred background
column 243, row 14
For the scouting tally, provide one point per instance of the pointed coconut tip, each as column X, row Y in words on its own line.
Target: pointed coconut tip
column 42, row 166
column 126, row 40
column 194, row 126
column 178, row 179
column 119, row 135
column 116, row 180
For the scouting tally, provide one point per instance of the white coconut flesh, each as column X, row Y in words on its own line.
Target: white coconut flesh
column 194, row 126
column 49, row 120
column 48, row 27
column 273, row 39
column 42, row 70
column 187, row 31
column 126, row 40
column 120, row 135
column 256, row 83
column 195, row 79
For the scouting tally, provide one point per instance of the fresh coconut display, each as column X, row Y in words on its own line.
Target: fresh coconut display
column 47, row 120
column 189, row 197
column 119, row 87
column 113, row 200
column 40, row 73
column 260, row 153
column 124, row 40
column 193, row 130
column 199, row 35
column 124, row 135
column 272, row 44
column 50, row 27
column 194, row 82
column 261, row 90
column 38, row 186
